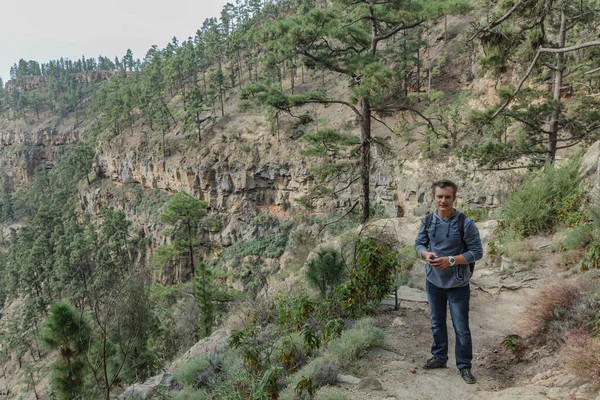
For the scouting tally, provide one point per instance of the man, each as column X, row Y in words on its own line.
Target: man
column 448, row 254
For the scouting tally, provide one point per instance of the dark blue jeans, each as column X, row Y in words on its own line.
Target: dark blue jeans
column 458, row 298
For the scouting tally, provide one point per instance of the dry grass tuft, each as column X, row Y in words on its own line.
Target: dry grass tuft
column 549, row 311
column 580, row 354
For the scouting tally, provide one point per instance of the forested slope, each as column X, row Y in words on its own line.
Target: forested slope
column 144, row 198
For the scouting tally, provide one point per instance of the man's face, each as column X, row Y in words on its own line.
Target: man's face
column 444, row 198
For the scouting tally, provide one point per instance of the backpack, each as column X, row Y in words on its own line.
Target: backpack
column 461, row 230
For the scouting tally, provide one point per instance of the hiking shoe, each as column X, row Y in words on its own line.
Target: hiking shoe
column 467, row 375
column 434, row 362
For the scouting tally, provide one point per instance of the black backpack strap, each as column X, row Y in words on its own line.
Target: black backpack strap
column 428, row 220
column 461, row 229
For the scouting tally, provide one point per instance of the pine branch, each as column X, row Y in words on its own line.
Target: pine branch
column 398, row 29
column 499, row 20
column 339, row 219
column 523, row 121
column 356, row 111
column 532, row 65
column 592, row 71
column 382, row 123
column 521, row 82
column 420, row 114
column 570, row 48
column 568, row 145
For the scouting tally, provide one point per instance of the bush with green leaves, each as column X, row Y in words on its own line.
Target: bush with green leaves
column 544, row 199
column 294, row 313
column 371, row 276
column 318, row 373
column 476, row 214
column 326, row 271
column 206, row 371
column 270, row 246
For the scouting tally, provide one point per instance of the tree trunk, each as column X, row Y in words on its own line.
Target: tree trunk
column 558, row 78
column 191, row 248
column 164, row 161
column 598, row 182
column 239, row 62
column 365, row 158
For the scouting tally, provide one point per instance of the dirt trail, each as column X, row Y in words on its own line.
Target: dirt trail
column 497, row 299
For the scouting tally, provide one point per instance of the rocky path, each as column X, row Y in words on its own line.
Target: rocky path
column 497, row 299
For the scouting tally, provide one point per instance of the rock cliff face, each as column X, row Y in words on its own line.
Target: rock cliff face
column 240, row 169
column 24, row 147
column 254, row 173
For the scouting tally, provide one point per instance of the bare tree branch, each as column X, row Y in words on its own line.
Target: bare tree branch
column 382, row 123
column 509, row 168
column 356, row 111
column 420, row 114
column 499, row 20
column 592, row 71
column 398, row 29
column 339, row 219
column 521, row 82
column 570, row 48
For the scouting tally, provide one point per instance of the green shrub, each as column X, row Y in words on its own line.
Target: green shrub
column 476, row 214
column 294, row 313
column 576, row 238
column 591, row 260
column 270, row 246
column 333, row 223
column 513, row 343
column 206, row 370
column 346, row 351
column 545, row 199
column 326, row 271
column 288, row 352
column 371, row 278
column 568, row 209
column 318, row 373
column 521, row 250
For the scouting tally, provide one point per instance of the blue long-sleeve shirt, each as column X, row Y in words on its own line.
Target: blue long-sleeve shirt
column 445, row 240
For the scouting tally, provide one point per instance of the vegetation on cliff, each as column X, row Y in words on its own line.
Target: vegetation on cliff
column 85, row 283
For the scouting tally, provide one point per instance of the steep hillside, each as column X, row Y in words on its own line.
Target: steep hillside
column 149, row 203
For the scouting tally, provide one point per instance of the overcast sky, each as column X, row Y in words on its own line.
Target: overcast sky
column 44, row 30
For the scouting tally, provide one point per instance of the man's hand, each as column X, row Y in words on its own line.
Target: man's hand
column 435, row 261
column 429, row 256
column 440, row 263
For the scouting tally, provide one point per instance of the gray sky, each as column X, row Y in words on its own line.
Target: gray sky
column 44, row 30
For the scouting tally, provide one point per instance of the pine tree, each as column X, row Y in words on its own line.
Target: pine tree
column 556, row 40
column 346, row 39
column 183, row 214
column 67, row 332
column 205, row 292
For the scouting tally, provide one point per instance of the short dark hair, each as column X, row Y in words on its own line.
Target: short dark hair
column 443, row 184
